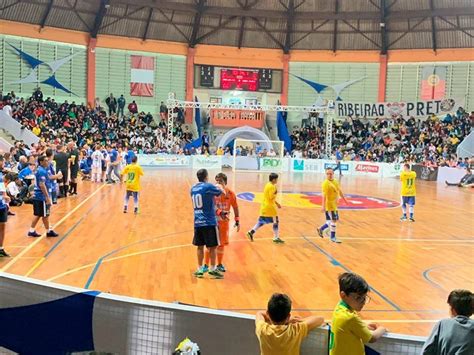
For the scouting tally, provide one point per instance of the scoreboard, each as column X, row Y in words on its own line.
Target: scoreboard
column 238, row 79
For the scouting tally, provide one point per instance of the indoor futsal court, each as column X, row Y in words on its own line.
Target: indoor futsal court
column 409, row 266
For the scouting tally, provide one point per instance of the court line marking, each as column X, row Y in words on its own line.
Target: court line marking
column 43, row 236
column 337, row 263
column 67, row 234
column 435, row 284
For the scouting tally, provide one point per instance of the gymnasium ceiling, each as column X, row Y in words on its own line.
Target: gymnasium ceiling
column 284, row 24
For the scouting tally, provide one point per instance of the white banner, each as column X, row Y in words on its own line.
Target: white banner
column 307, row 165
column 405, row 108
column 366, row 168
column 391, row 169
column 274, row 164
column 207, row 162
column 163, row 160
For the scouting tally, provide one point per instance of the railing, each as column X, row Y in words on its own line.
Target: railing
column 14, row 128
column 63, row 319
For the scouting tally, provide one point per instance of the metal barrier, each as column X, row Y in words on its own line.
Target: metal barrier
column 43, row 317
column 14, row 128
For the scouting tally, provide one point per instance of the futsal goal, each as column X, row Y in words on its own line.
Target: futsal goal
column 251, row 155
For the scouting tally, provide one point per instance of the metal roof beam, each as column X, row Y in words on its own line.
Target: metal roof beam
column 269, row 34
column 334, row 35
column 290, row 20
column 384, row 9
column 241, row 32
column 147, row 27
column 215, row 29
column 200, row 8
column 433, row 29
column 46, row 14
column 104, row 4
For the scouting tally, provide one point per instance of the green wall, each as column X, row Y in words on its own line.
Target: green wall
column 113, row 76
column 72, row 74
column 404, row 81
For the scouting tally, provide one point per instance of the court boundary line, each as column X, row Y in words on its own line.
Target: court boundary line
column 433, row 283
column 43, row 236
column 333, row 261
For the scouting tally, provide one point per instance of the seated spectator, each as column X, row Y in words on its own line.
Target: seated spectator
column 466, row 181
column 280, row 333
column 86, row 168
column 348, row 332
column 27, row 173
column 16, row 190
column 454, row 335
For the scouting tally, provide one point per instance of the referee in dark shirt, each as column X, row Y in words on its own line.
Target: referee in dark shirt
column 62, row 165
column 74, row 167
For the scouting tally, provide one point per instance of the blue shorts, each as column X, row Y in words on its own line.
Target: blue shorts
column 267, row 220
column 408, row 200
column 332, row 216
column 133, row 194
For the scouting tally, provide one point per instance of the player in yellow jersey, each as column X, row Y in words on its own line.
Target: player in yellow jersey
column 268, row 210
column 408, row 192
column 133, row 173
column 331, row 193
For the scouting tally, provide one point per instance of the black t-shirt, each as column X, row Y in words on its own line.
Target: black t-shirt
column 74, row 153
column 61, row 159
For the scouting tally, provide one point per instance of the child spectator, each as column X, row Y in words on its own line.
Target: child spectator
column 348, row 332
column 454, row 335
column 280, row 333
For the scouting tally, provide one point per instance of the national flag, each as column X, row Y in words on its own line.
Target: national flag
column 283, row 132
column 142, row 75
column 433, row 84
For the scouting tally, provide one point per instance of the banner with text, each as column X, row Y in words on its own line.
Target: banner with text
column 273, row 164
column 207, row 162
column 164, row 160
column 405, row 108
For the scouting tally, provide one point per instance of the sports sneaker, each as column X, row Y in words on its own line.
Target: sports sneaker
column 278, row 241
column 205, row 269
column 221, row 268
column 403, row 218
column 335, row 240
column 135, row 210
column 125, row 210
column 320, row 232
column 216, row 274
column 199, row 274
column 3, row 253
column 412, row 219
column 250, row 235
column 52, row 233
column 34, row 234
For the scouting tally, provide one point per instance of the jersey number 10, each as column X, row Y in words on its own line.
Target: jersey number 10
column 197, row 201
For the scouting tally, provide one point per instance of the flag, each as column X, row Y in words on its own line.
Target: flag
column 283, row 132
column 433, row 84
column 142, row 75
column 197, row 117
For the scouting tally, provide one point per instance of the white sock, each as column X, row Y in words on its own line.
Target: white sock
column 31, row 230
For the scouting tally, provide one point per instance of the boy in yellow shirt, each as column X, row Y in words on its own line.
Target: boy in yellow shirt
column 408, row 192
column 348, row 332
column 133, row 173
column 268, row 210
column 280, row 333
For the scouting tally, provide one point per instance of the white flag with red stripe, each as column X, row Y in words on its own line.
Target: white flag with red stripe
column 142, row 75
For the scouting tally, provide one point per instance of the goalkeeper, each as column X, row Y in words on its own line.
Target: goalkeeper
column 223, row 203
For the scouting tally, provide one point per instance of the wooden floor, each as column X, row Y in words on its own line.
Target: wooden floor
column 411, row 267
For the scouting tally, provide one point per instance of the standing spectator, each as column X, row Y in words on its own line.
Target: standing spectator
column 205, row 140
column 133, row 108
column 62, row 165
column 74, row 167
column 454, row 335
column 111, row 102
column 114, row 162
column 121, row 105
column 4, row 200
column 163, row 110
column 280, row 333
column 38, row 94
column 348, row 332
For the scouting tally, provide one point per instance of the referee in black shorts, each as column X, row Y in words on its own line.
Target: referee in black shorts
column 74, row 167
column 62, row 165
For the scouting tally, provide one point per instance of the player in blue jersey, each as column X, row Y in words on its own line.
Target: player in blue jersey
column 53, row 177
column 205, row 223
column 42, row 199
column 4, row 199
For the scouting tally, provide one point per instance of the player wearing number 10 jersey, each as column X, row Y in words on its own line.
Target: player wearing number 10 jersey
column 133, row 172
column 408, row 192
column 205, row 223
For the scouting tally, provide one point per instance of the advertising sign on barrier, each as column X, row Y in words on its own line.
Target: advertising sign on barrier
column 306, row 165
column 163, row 160
column 274, row 164
column 391, row 169
column 207, row 162
column 363, row 168
column 425, row 173
column 345, row 166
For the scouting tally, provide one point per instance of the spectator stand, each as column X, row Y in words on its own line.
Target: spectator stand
column 173, row 103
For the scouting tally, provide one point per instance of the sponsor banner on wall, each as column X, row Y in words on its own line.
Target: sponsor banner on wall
column 163, row 160
column 207, row 162
column 306, row 165
column 273, row 164
column 366, row 168
column 391, row 169
column 345, row 165
column 405, row 108
column 425, row 173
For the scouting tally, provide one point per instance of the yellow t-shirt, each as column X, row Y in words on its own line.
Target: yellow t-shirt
column 331, row 190
column 348, row 332
column 268, row 207
column 133, row 172
column 408, row 183
column 37, row 130
column 280, row 339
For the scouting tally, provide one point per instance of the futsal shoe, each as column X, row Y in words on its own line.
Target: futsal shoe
column 412, row 219
column 52, row 234
column 250, row 235
column 205, row 269
column 199, row 274
column 320, row 232
column 135, row 210
column 335, row 240
column 403, row 219
column 3, row 253
column 125, row 210
column 278, row 241
column 216, row 274
column 34, row 234
column 221, row 268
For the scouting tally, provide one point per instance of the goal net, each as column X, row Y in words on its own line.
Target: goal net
column 257, row 155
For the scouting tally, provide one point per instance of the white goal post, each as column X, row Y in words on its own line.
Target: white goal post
column 253, row 155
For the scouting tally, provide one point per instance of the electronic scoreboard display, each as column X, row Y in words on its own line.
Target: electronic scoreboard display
column 206, row 78
column 239, row 79
column 265, row 79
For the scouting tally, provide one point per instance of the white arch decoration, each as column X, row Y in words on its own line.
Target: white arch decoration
column 245, row 132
